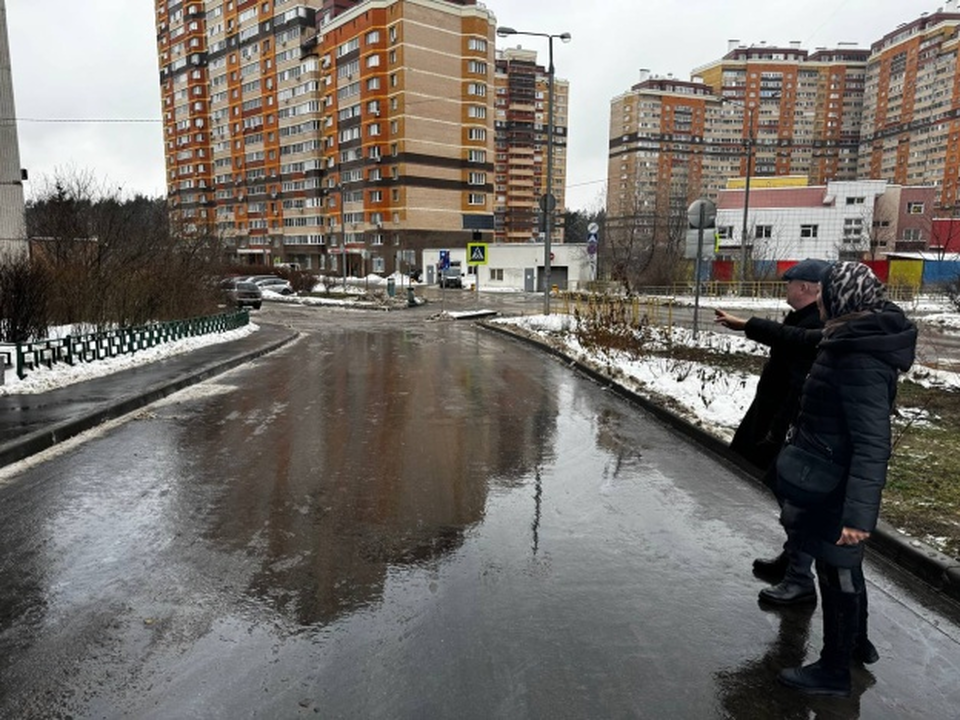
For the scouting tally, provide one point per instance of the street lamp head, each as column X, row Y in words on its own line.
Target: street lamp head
column 565, row 37
column 504, row 31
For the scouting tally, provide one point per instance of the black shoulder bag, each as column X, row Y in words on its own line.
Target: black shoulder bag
column 806, row 478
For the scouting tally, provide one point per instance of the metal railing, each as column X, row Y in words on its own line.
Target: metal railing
column 73, row 349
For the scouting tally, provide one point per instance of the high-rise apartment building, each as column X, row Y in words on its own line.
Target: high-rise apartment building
column 657, row 161
column 522, row 127
column 911, row 118
column 800, row 111
column 340, row 135
column 888, row 113
column 780, row 111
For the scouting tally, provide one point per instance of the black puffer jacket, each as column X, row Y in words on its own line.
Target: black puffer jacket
column 845, row 414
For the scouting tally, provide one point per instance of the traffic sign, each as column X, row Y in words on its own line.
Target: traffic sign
column 444, row 260
column 702, row 213
column 477, row 253
column 593, row 228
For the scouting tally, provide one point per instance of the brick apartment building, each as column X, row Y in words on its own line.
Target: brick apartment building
column 891, row 112
column 521, row 133
column 342, row 135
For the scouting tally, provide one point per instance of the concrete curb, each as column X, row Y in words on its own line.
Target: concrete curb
column 929, row 565
column 41, row 440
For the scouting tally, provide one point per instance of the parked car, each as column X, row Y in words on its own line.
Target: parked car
column 451, row 276
column 275, row 284
column 241, row 293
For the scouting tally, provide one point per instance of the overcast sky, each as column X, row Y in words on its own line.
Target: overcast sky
column 96, row 60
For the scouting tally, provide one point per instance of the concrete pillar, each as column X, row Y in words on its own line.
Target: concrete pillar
column 13, row 232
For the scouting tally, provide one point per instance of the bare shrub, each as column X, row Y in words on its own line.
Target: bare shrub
column 115, row 261
column 24, row 288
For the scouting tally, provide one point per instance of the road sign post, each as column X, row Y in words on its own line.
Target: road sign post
column 592, row 243
column 702, row 213
column 477, row 254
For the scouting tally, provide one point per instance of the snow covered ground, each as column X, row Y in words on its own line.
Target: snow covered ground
column 704, row 394
column 44, row 379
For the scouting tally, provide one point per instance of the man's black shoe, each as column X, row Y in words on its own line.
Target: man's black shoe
column 815, row 679
column 789, row 593
column 771, row 569
column 864, row 652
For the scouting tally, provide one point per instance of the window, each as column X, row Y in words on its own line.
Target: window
column 376, row 196
column 348, row 47
column 915, row 208
column 856, row 200
column 852, row 229
column 373, row 83
column 477, row 89
column 477, row 111
column 477, row 133
column 477, row 44
column 477, row 156
column 763, row 232
column 373, row 37
column 476, row 199
column 379, row 264
column 809, row 231
column 476, row 67
column 725, row 232
column 912, row 234
column 496, row 274
column 477, row 178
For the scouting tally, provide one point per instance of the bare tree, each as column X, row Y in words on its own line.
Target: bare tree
column 121, row 261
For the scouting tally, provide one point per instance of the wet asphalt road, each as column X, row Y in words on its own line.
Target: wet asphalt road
column 399, row 518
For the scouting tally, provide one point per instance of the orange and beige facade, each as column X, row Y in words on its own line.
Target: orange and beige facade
column 783, row 111
column 890, row 112
column 337, row 134
column 911, row 114
column 522, row 126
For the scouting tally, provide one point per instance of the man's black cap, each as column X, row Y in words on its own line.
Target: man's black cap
column 809, row 270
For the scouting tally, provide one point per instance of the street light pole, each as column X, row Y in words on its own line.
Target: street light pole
column 551, row 202
column 548, row 201
column 751, row 139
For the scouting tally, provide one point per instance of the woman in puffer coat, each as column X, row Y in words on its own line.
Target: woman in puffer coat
column 845, row 412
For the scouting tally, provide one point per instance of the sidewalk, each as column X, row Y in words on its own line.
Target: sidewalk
column 31, row 423
column 933, row 567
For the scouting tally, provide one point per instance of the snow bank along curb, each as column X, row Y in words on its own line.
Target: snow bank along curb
column 933, row 567
column 33, row 443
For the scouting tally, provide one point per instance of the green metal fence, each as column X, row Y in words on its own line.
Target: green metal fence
column 73, row 349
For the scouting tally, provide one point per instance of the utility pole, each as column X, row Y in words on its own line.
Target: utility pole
column 13, row 228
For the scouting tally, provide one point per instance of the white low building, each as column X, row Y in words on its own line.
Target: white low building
column 519, row 266
column 840, row 220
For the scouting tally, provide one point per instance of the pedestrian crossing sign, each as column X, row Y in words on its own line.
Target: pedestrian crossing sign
column 477, row 253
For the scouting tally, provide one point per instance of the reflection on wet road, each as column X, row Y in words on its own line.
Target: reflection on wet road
column 414, row 520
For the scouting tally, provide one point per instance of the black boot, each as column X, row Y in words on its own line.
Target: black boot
column 789, row 592
column 771, row 569
column 864, row 651
column 797, row 586
column 815, row 679
column 830, row 675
